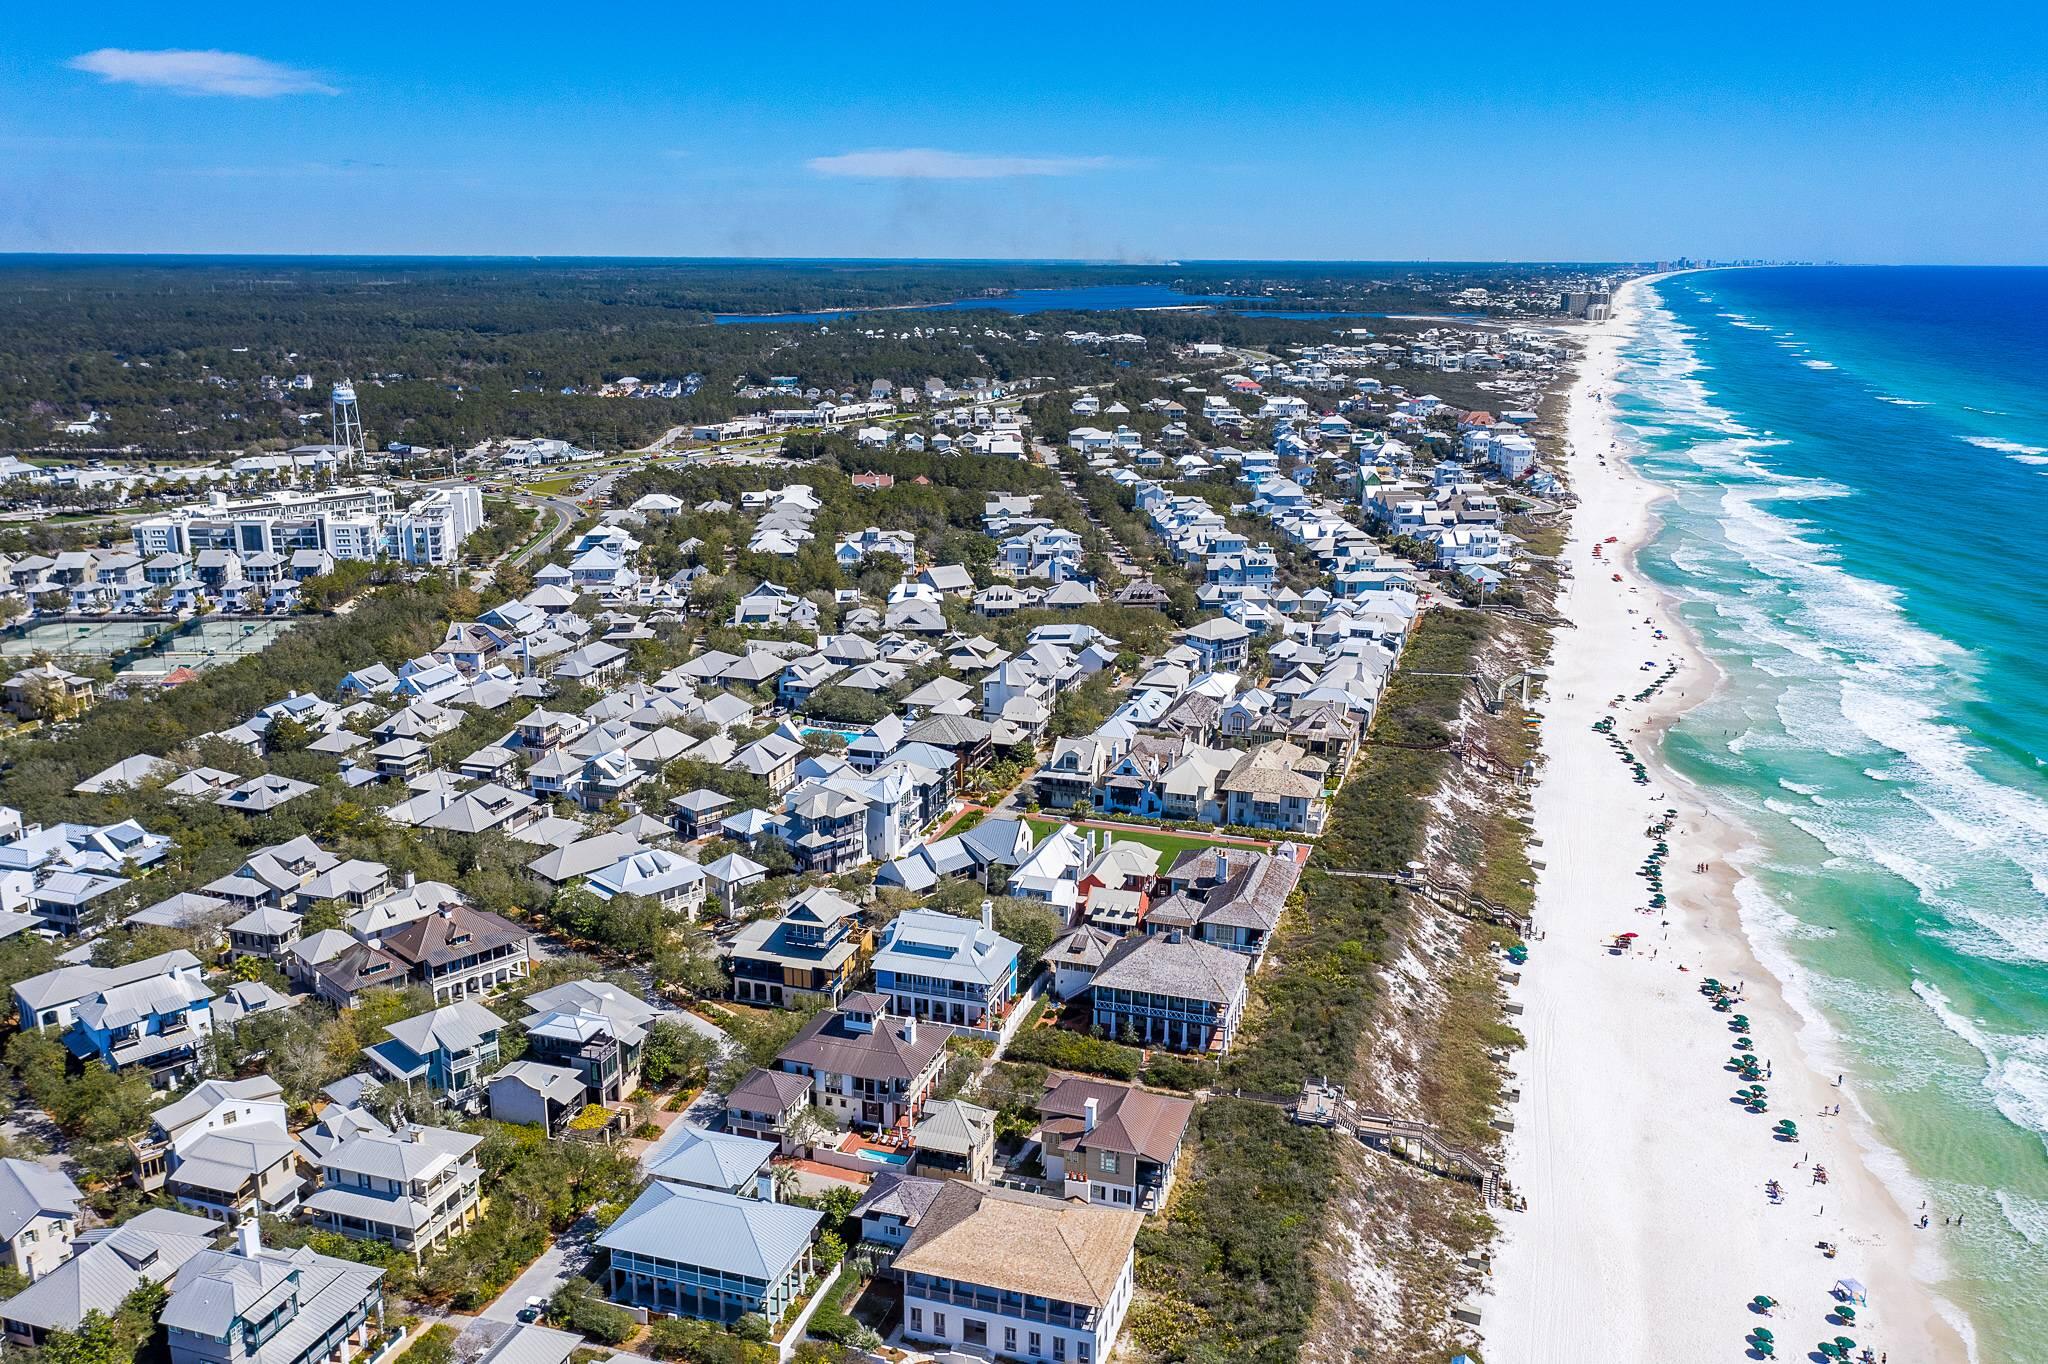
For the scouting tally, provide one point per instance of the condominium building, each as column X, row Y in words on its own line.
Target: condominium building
column 360, row 521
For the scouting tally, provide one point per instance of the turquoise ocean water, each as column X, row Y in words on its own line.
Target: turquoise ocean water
column 1859, row 466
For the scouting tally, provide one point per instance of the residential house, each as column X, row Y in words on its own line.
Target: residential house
column 1220, row 642
column 108, row 1265
column 955, row 1140
column 813, row 952
column 411, row 1189
column 765, row 1105
column 867, row 1067
column 1228, row 897
column 449, row 1050
column 1111, row 1144
column 1169, row 990
column 211, row 1106
column 235, row 1175
column 893, row 1206
column 1019, row 1275
column 594, row 1029
column 152, row 1013
column 673, row 881
column 457, row 951
column 723, row 1161
column 1075, row 956
column 705, row 1253
column 1276, row 786
column 945, row 968
column 38, row 1216
column 252, row 1305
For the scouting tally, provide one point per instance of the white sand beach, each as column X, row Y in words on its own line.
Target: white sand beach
column 1648, row 1228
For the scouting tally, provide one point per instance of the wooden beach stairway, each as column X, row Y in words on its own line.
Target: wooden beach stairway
column 1464, row 903
column 1322, row 1104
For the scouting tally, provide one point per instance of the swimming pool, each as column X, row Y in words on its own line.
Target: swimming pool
column 847, row 734
column 884, row 1157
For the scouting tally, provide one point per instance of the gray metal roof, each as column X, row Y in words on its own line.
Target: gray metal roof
column 29, row 1191
column 713, row 1230
column 109, row 1265
column 710, row 1160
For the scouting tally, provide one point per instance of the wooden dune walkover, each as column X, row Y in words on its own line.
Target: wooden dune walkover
column 1322, row 1104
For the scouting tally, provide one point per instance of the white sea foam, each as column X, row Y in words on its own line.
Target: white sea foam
column 1858, row 679
column 1816, row 364
column 2027, row 1216
column 2005, row 447
column 1900, row 402
column 2015, row 1068
column 1798, row 788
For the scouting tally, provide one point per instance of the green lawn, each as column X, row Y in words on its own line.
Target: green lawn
column 552, row 487
column 1172, row 844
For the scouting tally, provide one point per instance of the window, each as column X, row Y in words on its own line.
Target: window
column 1109, row 1162
column 938, row 1323
column 917, row 1319
column 1059, row 1347
column 1010, row 1340
column 1036, row 1347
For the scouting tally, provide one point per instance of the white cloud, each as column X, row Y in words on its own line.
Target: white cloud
column 926, row 163
column 188, row 72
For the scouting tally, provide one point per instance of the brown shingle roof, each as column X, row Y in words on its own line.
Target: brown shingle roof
column 829, row 1044
column 431, row 941
column 1022, row 1243
column 1128, row 1120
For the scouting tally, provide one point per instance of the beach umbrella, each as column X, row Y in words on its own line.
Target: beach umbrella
column 1763, row 1332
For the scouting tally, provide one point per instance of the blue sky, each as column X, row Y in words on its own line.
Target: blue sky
column 1106, row 132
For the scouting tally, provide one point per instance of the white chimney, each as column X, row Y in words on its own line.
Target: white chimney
column 764, row 1187
column 988, row 915
column 249, row 1239
column 908, row 1032
column 1088, row 1111
column 409, row 880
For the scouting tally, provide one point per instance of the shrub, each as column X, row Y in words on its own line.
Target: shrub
column 1064, row 1050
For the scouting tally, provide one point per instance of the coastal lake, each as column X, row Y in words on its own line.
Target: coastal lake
column 1102, row 298
column 1858, row 468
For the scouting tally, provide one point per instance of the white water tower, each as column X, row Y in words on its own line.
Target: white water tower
column 348, row 422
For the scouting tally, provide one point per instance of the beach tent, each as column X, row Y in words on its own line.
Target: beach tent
column 1852, row 1290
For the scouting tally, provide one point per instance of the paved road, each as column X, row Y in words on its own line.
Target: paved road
column 562, row 1261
